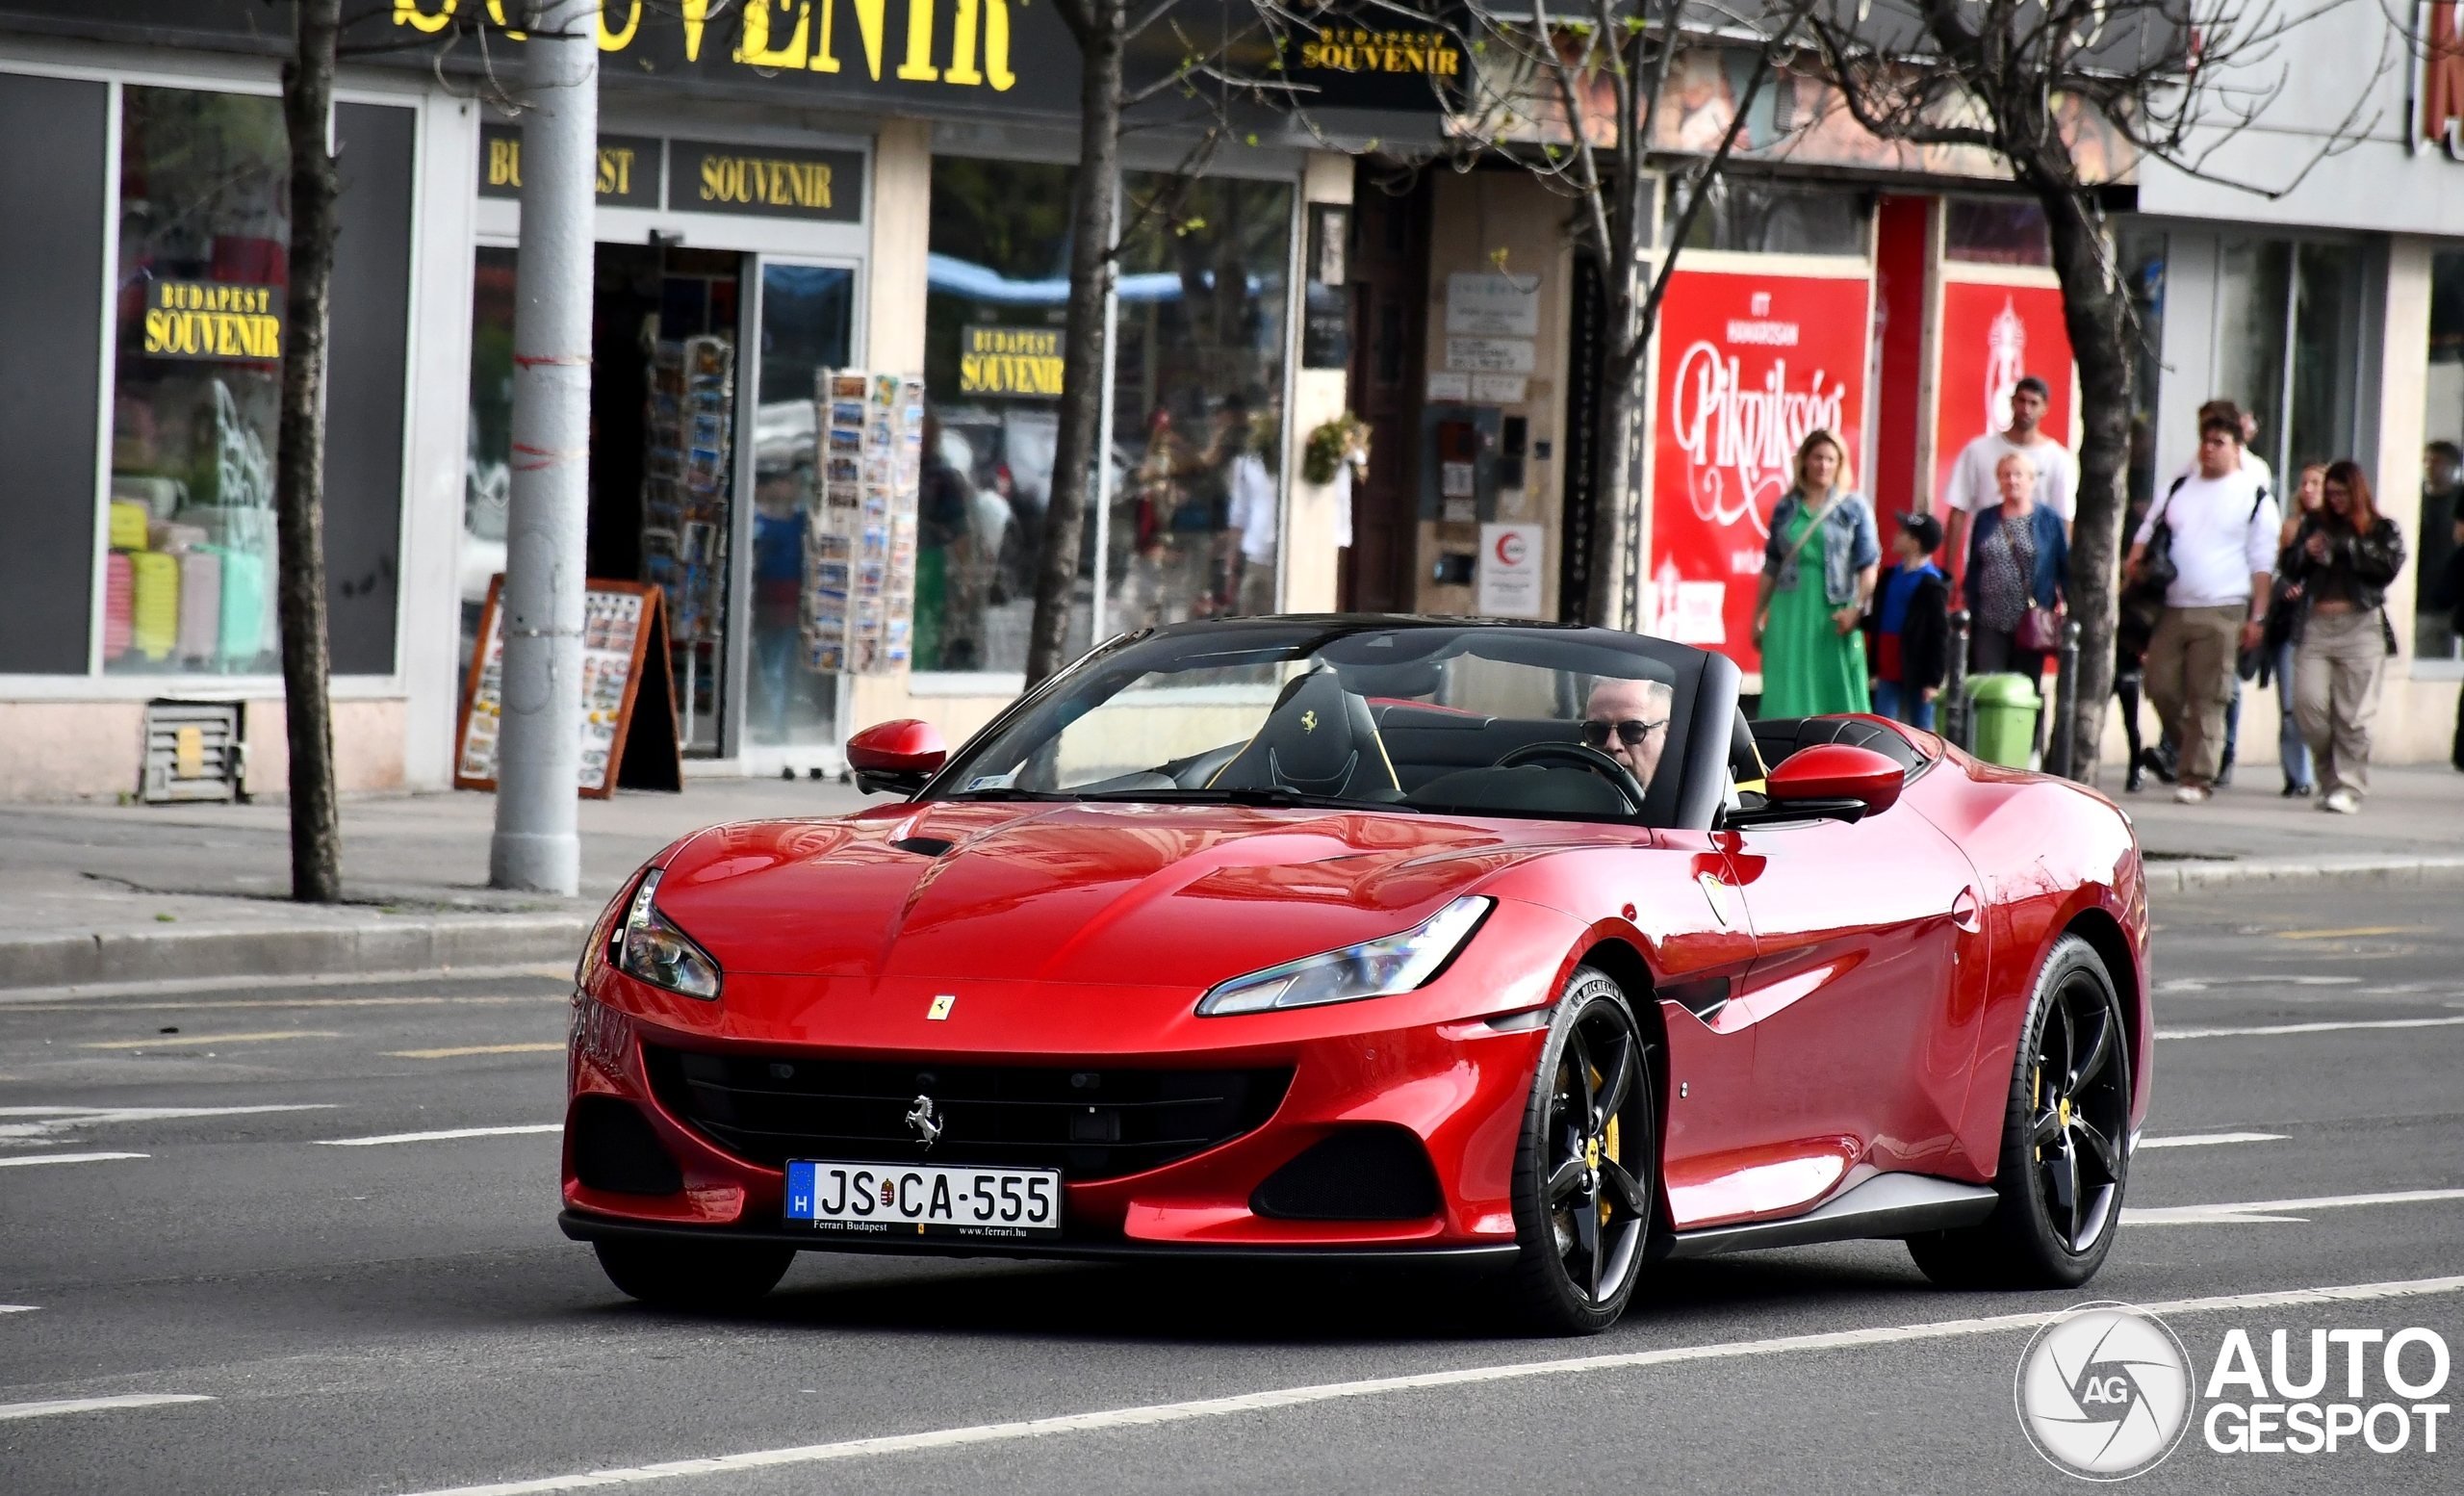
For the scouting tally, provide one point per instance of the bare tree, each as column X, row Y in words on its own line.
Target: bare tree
column 2032, row 81
column 1571, row 97
column 300, row 462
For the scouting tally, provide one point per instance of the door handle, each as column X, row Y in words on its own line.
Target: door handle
column 1966, row 912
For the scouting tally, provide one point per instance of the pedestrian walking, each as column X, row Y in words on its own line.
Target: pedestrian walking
column 1908, row 632
column 2018, row 560
column 2339, row 566
column 2216, row 533
column 2292, row 753
column 1976, row 485
column 1818, row 575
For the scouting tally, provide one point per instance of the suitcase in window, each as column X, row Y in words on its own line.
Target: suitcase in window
column 244, row 605
column 200, row 606
column 119, row 589
column 155, row 613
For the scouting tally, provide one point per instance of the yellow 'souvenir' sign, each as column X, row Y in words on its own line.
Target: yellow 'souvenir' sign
column 1429, row 54
column 1011, row 361
column 208, row 318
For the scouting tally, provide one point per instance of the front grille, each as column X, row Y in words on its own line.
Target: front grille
column 1090, row 1123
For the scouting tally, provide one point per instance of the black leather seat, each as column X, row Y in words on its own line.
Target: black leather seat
column 1318, row 740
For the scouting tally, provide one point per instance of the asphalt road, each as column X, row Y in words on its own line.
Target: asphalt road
column 402, row 1316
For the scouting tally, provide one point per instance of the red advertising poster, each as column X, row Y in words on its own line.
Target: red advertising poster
column 1991, row 335
column 1748, row 365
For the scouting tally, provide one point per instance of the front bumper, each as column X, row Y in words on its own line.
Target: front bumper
column 1452, row 1064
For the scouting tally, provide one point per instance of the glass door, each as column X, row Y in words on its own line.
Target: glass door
column 807, row 320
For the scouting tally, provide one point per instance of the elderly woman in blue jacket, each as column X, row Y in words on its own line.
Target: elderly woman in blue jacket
column 2018, row 560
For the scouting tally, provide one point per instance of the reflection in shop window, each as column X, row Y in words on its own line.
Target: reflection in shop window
column 1199, row 370
column 1773, row 218
column 1994, row 231
column 2142, row 264
column 487, row 465
column 202, row 278
column 2289, row 331
column 1197, row 386
column 2442, row 517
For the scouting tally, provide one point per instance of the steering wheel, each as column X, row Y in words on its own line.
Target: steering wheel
column 1581, row 755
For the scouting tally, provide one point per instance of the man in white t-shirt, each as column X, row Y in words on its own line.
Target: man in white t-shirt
column 1253, row 513
column 1973, row 485
column 2223, row 526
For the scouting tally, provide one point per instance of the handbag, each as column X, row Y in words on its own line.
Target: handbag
column 2144, row 598
column 2039, row 630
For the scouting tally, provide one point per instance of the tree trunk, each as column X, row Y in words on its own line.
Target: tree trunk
column 1093, row 223
column 2096, row 313
column 300, row 463
column 1615, row 455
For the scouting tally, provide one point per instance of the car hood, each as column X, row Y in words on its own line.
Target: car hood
column 1142, row 895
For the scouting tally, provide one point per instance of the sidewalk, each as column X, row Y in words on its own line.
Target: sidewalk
column 2412, row 826
column 100, row 893
column 95, row 894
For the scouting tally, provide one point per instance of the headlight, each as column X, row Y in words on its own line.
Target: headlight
column 1373, row 968
column 649, row 947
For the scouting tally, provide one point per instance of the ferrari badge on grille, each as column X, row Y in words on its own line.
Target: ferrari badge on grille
column 942, row 1007
column 926, row 1122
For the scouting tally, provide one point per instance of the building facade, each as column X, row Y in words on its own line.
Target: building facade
column 811, row 187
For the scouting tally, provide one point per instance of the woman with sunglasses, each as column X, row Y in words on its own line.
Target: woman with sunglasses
column 2339, row 566
column 1819, row 574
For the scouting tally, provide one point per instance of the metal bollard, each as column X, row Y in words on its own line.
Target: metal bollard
column 2065, row 686
column 1954, row 713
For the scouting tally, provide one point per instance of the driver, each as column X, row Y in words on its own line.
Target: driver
column 1628, row 720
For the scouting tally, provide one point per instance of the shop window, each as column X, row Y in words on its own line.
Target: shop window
column 1197, row 396
column 1994, row 231
column 200, row 330
column 2288, row 320
column 2442, row 459
column 52, row 179
column 487, row 461
column 1762, row 216
column 807, row 314
column 205, row 223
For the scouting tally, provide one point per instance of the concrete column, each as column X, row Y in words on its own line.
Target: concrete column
column 1307, row 551
column 539, row 753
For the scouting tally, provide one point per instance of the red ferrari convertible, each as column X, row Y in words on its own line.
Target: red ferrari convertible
column 1348, row 938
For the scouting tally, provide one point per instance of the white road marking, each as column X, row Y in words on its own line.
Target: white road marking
column 2206, row 1139
column 439, row 1137
column 2305, row 1028
column 66, row 1158
column 16, row 997
column 45, row 1120
column 2184, row 984
column 89, row 1405
column 559, row 1047
column 2261, row 1210
column 19, row 1308
column 1156, row 1413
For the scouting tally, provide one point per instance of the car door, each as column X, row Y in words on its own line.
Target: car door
column 1862, row 1036
column 1704, row 949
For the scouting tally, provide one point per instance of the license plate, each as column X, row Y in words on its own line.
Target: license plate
column 924, row 1200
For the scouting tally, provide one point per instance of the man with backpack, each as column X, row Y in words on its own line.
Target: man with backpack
column 2212, row 543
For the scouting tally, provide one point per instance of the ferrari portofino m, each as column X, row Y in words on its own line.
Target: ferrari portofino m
column 1371, row 938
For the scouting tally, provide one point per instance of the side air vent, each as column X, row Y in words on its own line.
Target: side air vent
column 615, row 1150
column 1360, row 1173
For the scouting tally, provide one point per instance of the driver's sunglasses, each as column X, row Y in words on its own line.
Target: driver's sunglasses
column 1631, row 732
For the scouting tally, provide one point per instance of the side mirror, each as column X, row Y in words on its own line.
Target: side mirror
column 1838, row 771
column 898, row 756
column 1833, row 782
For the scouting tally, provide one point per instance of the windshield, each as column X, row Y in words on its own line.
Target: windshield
column 1491, row 719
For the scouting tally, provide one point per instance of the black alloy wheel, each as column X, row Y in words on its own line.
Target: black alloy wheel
column 1587, row 1173
column 2066, row 1144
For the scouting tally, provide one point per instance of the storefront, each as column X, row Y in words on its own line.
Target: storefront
column 776, row 204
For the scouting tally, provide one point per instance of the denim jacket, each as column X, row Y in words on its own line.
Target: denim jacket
column 1848, row 545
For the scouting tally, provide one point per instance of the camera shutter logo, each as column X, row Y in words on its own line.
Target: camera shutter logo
column 2104, row 1393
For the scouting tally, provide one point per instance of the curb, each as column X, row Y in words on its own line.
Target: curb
column 396, row 945
column 2191, row 876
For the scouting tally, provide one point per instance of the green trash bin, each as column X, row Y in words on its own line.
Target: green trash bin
column 2004, row 711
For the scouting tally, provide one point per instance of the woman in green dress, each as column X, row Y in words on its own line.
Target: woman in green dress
column 1818, row 573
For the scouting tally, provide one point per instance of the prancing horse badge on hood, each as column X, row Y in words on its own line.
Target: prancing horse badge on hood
column 942, row 1007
